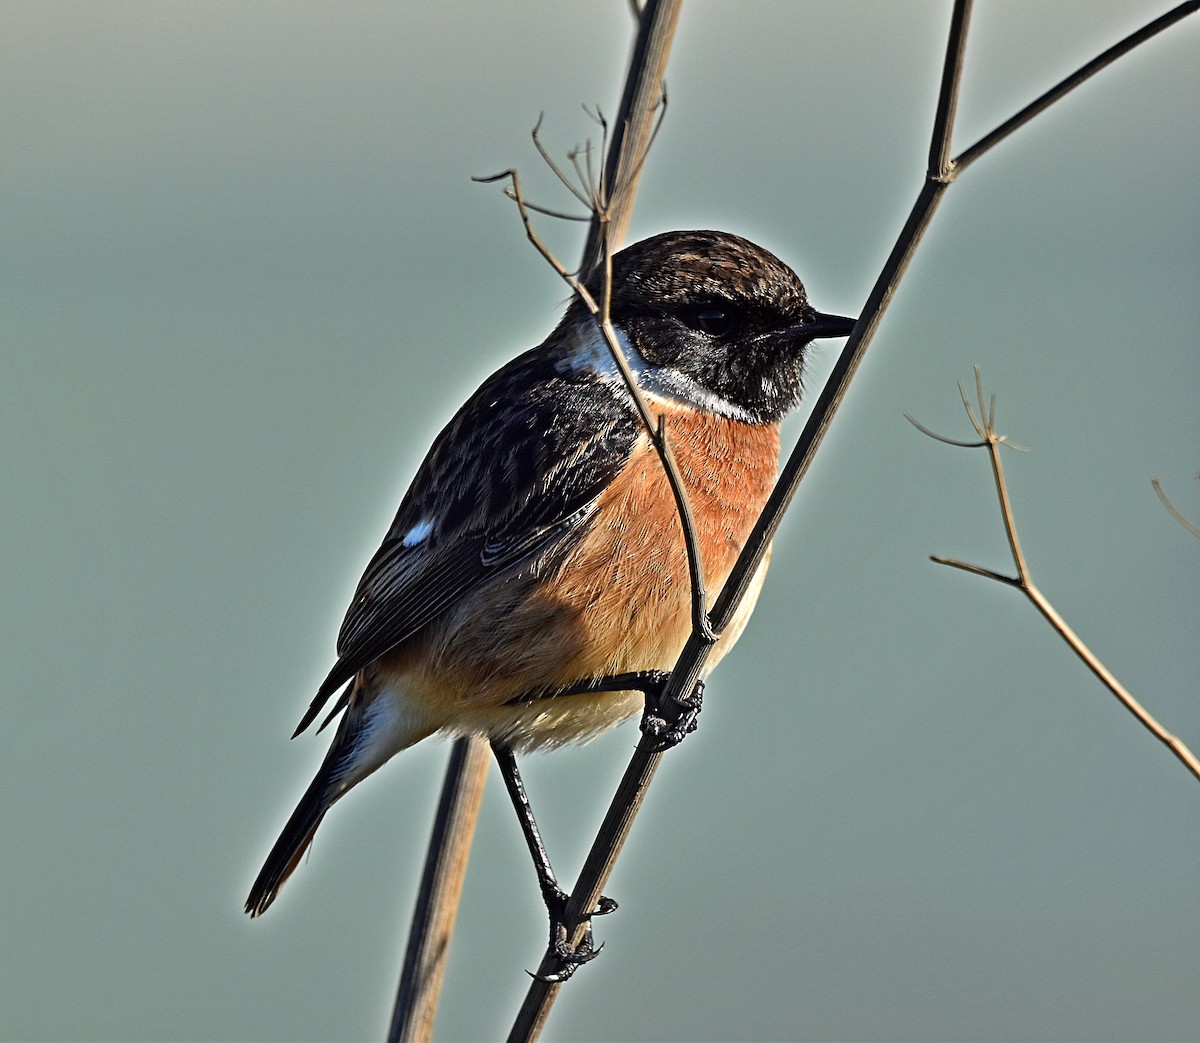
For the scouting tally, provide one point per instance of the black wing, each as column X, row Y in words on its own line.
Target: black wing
column 512, row 475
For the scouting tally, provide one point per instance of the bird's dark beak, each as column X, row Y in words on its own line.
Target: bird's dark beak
column 821, row 325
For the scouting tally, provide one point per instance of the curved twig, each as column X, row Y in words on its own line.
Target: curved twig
column 1172, row 509
column 655, row 426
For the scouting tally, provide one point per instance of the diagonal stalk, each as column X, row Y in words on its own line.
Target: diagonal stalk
column 632, row 789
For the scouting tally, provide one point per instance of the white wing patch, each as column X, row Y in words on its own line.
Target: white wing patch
column 419, row 533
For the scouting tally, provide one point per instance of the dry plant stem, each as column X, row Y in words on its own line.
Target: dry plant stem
column 1148, row 720
column 441, row 886
column 1022, row 581
column 631, row 791
column 1174, row 511
column 943, row 121
column 634, row 127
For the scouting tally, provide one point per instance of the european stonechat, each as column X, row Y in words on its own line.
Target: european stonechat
column 534, row 586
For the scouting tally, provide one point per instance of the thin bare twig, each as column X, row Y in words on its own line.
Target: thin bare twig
column 637, row 128
column 567, row 182
column 655, row 426
column 1172, row 509
column 940, row 166
column 985, row 425
column 860, row 337
column 942, row 438
column 537, row 208
column 1080, row 75
column 700, row 621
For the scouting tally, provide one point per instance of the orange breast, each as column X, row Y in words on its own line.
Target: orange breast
column 621, row 599
column 631, row 572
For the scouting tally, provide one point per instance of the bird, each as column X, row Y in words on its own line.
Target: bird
column 534, row 586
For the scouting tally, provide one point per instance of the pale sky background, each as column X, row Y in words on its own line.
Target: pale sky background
column 245, row 278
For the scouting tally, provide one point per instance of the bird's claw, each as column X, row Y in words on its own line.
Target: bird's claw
column 666, row 726
column 570, row 957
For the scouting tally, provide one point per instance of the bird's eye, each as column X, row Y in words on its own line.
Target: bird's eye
column 715, row 320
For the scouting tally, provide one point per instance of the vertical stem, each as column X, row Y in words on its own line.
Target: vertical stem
column 634, row 126
column 940, row 165
column 441, row 886
column 416, row 999
column 1006, row 511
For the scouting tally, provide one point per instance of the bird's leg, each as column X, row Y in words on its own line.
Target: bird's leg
column 570, row 956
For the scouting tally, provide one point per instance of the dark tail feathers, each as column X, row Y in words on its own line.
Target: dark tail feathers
column 291, row 845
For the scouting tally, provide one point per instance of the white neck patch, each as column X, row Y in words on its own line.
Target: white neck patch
column 662, row 383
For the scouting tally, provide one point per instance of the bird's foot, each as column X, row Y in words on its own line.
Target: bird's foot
column 570, row 957
column 666, row 722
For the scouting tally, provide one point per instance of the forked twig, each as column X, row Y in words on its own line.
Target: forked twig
column 985, row 425
column 1065, row 86
column 567, row 182
column 642, row 109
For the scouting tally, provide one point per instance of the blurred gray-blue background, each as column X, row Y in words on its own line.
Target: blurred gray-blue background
column 246, row 278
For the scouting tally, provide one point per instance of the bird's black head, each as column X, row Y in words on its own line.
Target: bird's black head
column 716, row 320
